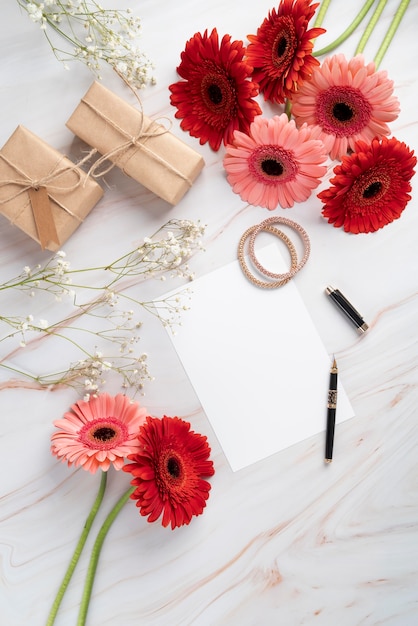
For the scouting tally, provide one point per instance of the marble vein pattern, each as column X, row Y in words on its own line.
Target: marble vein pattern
column 288, row 540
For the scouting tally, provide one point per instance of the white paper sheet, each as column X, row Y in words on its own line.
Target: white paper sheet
column 256, row 362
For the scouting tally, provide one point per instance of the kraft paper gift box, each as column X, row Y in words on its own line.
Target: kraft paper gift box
column 41, row 191
column 143, row 149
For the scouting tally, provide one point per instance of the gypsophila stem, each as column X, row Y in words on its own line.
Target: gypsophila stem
column 165, row 252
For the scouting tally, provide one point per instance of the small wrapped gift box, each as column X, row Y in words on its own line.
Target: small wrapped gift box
column 143, row 149
column 41, row 191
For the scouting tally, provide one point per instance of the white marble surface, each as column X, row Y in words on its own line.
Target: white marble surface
column 286, row 541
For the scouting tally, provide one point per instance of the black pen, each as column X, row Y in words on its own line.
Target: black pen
column 347, row 308
column 331, row 410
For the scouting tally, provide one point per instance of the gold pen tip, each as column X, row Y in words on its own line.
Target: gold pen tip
column 328, row 460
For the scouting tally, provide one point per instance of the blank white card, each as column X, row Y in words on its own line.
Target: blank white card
column 256, row 362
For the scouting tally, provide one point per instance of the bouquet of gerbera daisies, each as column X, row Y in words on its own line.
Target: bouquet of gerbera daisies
column 338, row 109
column 169, row 464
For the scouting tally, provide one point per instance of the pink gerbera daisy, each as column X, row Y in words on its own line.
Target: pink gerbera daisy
column 348, row 101
column 276, row 164
column 98, row 433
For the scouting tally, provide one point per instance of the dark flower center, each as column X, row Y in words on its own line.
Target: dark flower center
column 342, row 112
column 173, row 467
column 285, row 44
column 372, row 190
column 219, row 97
column 271, row 167
column 281, row 46
column 215, row 94
column 371, row 187
column 270, row 164
column 104, row 434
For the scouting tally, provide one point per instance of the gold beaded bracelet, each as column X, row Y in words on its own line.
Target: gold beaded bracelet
column 267, row 226
column 244, row 267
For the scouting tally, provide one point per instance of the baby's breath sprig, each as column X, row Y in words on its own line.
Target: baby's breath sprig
column 100, row 315
column 154, row 257
column 92, row 35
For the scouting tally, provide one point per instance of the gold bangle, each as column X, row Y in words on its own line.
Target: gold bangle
column 244, row 267
column 302, row 233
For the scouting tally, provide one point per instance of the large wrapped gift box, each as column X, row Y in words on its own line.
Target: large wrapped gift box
column 41, row 191
column 142, row 148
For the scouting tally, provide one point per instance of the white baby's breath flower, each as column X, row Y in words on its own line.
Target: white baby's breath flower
column 35, row 12
column 93, row 33
column 121, row 67
column 116, row 327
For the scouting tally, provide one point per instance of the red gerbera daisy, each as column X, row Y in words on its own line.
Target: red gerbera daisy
column 280, row 52
column 168, row 471
column 371, row 186
column 346, row 101
column 216, row 96
column 98, row 433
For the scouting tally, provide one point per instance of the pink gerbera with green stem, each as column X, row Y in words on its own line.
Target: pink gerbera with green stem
column 98, row 433
column 346, row 101
column 276, row 164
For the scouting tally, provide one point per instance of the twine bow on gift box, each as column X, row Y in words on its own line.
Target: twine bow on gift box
column 143, row 148
column 136, row 141
column 41, row 192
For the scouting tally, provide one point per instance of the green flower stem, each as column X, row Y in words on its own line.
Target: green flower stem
column 370, row 26
column 391, row 32
column 288, row 107
column 77, row 551
column 348, row 31
column 95, row 554
column 321, row 13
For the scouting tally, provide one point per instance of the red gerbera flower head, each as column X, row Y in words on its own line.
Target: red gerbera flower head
column 98, row 433
column 168, row 471
column 371, row 186
column 215, row 97
column 280, row 52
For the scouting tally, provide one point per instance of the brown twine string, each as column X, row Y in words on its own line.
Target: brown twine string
column 26, row 182
column 40, row 192
column 137, row 141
